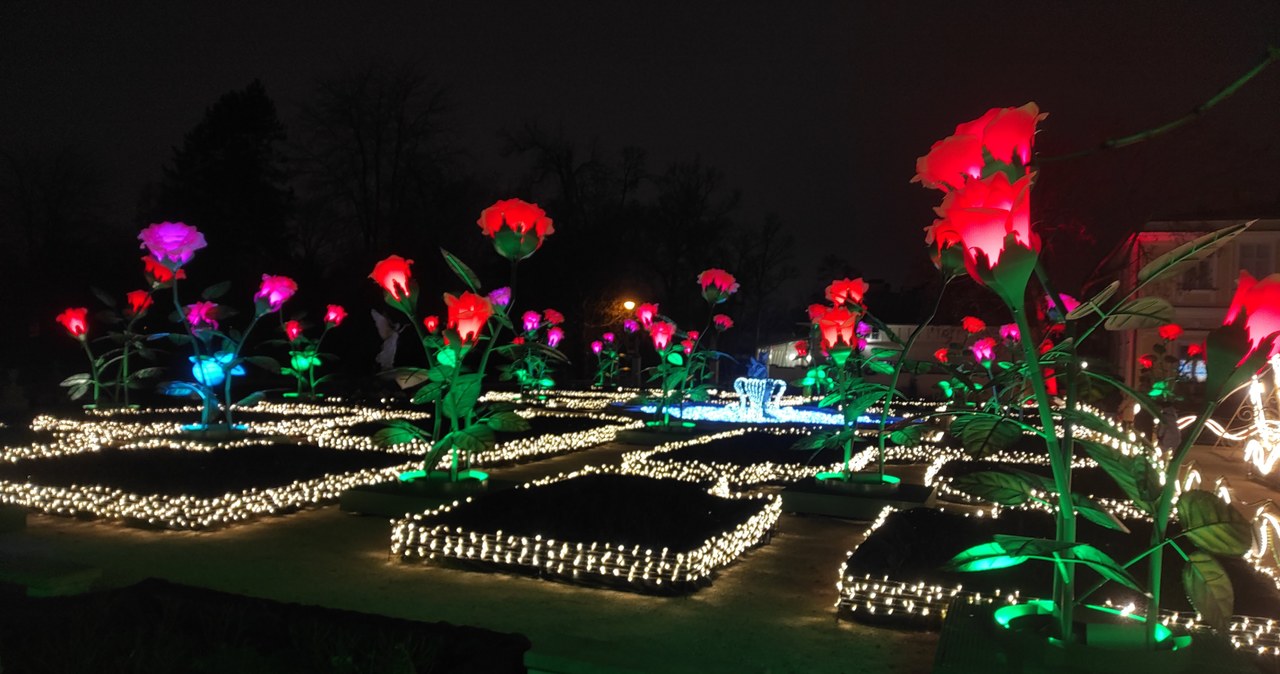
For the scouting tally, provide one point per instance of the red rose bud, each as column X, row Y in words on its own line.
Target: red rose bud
column 518, row 340
column 516, row 227
column 687, row 346
column 661, row 333
column 139, row 301
column 274, row 292
column 645, row 313
column 468, row 314
column 1147, row 361
column 158, row 273
column 817, row 311
column 596, row 347
column 431, row 323
column 722, row 322
column 847, row 291
column 334, row 315
column 837, row 326
column 202, row 314
column 941, row 355
column 394, row 277
column 75, row 320
column 552, row 316
column 293, row 330
column 531, row 320
column 1170, row 332
column 802, row 348
column 1194, row 350
column 717, row 285
column 554, row 337
column 972, row 325
column 984, row 350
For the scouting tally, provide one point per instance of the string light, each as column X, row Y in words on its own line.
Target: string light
column 640, row 569
column 326, row 426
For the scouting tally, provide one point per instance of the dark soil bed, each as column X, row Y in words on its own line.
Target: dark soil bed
column 159, row 628
column 623, row 509
column 195, row 473
column 912, row 546
column 1089, row 481
column 537, row 426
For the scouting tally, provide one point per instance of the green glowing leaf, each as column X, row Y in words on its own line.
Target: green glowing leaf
column 879, row 367
column 398, row 432
column 911, row 434
column 507, row 422
column 1134, row 474
column 77, row 380
column 1192, row 251
column 462, row 395
column 994, row 486
column 675, row 358
column 1107, row 567
column 473, row 439
column 447, row 357
column 1092, row 511
column 215, row 291
column 1215, row 526
column 429, row 393
column 1208, row 588
column 984, row 557
column 462, row 270
column 251, row 399
column 1094, row 303
column 1140, row 312
column 1032, row 547
column 984, row 435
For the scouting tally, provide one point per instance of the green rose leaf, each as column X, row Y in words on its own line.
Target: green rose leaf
column 1217, row 527
column 997, row 487
column 1208, row 588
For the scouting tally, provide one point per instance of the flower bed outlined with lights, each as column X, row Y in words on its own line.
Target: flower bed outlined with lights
column 75, row 439
column 631, row 554
column 529, row 447
column 746, row 471
column 916, row 594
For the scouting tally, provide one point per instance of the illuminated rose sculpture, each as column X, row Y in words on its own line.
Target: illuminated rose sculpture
column 847, row 291
column 717, row 285
column 334, row 315
column 75, row 320
column 394, row 276
column 467, row 314
column 172, row 243
column 517, row 227
column 274, row 292
column 645, row 313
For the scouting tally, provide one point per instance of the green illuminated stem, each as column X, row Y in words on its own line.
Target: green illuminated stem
column 206, row 408
column 897, row 372
column 1164, row 510
column 1272, row 55
column 231, row 365
column 1063, row 589
column 93, row 368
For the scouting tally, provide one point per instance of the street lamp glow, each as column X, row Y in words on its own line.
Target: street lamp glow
column 629, row 305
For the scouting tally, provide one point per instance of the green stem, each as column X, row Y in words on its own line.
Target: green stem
column 1164, row 510
column 1061, row 467
column 231, row 365
column 93, row 368
column 897, row 372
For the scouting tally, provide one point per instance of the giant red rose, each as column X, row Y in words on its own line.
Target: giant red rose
column 516, row 227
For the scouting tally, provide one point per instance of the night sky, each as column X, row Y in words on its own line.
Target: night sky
column 814, row 110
